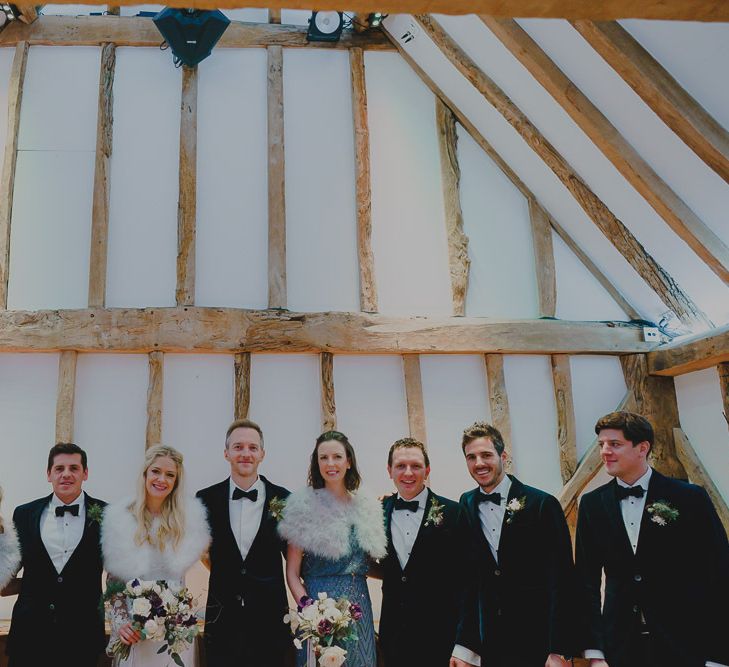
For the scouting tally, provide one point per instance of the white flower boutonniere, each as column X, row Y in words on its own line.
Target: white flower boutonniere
column 662, row 513
column 276, row 507
column 435, row 514
column 513, row 506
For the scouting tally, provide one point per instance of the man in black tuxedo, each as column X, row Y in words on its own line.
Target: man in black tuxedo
column 423, row 572
column 520, row 611
column 246, row 596
column 58, row 618
column 665, row 557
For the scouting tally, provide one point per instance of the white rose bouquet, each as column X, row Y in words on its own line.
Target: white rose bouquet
column 159, row 611
column 327, row 623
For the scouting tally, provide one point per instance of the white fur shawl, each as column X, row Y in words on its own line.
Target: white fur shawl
column 125, row 559
column 9, row 554
column 320, row 524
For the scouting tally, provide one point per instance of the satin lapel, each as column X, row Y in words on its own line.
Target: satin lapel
column 264, row 515
column 475, row 518
column 611, row 503
column 648, row 529
column 388, row 504
column 35, row 522
column 422, row 528
column 516, row 490
column 221, row 507
column 88, row 501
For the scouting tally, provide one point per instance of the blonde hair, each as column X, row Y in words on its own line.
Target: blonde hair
column 172, row 516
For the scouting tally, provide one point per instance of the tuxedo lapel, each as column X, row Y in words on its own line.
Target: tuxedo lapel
column 648, row 528
column 475, row 520
column 516, row 490
column 87, row 532
column 223, row 511
column 421, row 529
column 265, row 515
column 388, row 505
column 35, row 522
column 611, row 504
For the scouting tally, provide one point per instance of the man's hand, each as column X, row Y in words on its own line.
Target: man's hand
column 455, row 662
column 554, row 660
column 598, row 663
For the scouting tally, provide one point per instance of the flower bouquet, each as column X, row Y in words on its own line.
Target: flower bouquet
column 327, row 623
column 158, row 610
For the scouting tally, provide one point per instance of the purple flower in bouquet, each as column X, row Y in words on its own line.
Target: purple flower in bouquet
column 325, row 626
column 355, row 611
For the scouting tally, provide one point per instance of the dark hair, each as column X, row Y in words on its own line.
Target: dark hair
column 352, row 477
column 483, row 430
column 403, row 443
column 66, row 448
column 243, row 423
column 636, row 428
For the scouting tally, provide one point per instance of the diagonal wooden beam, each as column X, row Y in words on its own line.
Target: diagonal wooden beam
column 690, row 354
column 543, row 259
column 660, row 91
column 723, row 370
column 674, row 211
column 28, row 13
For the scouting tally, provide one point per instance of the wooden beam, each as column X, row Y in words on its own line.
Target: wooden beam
column 274, row 16
column 276, row 182
column 7, row 178
column 66, row 395
column 543, row 259
column 155, row 386
column 698, row 474
column 458, row 260
column 566, row 426
column 328, row 404
column 499, row 402
column 102, row 174
column 28, row 13
column 363, row 186
column 141, row 31
column 242, row 384
column 679, row 217
column 229, row 330
column 113, row 10
column 187, row 198
column 655, row 276
column 723, row 371
column 414, row 396
column 660, row 91
column 691, row 354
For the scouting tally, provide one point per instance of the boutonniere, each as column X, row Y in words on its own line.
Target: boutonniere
column 513, row 506
column 662, row 513
column 276, row 507
column 435, row 514
column 95, row 513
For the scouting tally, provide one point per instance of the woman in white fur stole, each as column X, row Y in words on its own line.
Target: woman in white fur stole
column 159, row 535
column 333, row 533
column 9, row 551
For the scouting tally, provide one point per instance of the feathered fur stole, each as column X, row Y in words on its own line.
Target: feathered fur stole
column 320, row 524
column 9, row 554
column 125, row 559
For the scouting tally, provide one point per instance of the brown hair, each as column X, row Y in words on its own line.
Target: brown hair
column 636, row 428
column 403, row 443
column 66, row 448
column 243, row 423
column 483, row 430
column 352, row 478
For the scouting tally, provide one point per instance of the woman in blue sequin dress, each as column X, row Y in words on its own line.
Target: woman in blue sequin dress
column 333, row 533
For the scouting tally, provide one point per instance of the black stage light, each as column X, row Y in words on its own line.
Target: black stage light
column 191, row 33
column 8, row 13
column 375, row 20
column 325, row 27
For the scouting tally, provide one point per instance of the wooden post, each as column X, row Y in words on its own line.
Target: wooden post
column 102, row 169
column 363, row 187
column 543, row 259
column 276, row 182
column 499, row 402
column 7, row 178
column 242, row 371
column 458, row 259
column 566, row 427
column 154, row 399
column 328, row 404
column 414, row 396
column 187, row 202
column 114, row 10
column 274, row 16
column 723, row 371
column 65, row 395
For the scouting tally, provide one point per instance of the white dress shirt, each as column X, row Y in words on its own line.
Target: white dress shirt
column 62, row 534
column 405, row 525
column 245, row 515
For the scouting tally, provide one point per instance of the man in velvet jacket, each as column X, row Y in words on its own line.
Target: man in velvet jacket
column 246, row 595
column 520, row 611
column 423, row 572
column 58, row 618
column 665, row 557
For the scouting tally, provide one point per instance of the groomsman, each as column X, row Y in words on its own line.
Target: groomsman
column 423, row 573
column 246, row 596
column 58, row 618
column 520, row 611
column 665, row 557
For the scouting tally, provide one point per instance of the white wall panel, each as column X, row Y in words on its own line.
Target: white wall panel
column 144, row 180
column 408, row 228
column 248, row 15
column 232, row 157
column 496, row 221
column 133, row 10
column 295, row 16
column 6, row 64
column 700, row 407
column 321, row 227
column 455, row 394
column 197, row 410
column 71, row 10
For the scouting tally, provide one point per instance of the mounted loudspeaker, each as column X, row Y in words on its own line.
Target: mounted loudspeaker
column 325, row 27
column 191, row 33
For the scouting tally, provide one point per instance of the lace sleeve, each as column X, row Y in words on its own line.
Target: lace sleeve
column 117, row 610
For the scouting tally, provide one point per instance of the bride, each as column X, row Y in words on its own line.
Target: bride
column 158, row 535
column 9, row 551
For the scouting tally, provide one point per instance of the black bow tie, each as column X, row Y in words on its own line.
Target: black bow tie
column 626, row 491
column 494, row 498
column 62, row 509
column 411, row 505
column 240, row 493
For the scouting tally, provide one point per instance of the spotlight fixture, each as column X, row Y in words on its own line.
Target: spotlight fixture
column 191, row 33
column 375, row 20
column 325, row 27
column 8, row 13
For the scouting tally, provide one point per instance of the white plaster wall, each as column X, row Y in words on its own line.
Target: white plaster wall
column 133, row 10
column 248, row 15
column 71, row 10
column 321, row 228
column 232, row 205
column 6, row 63
column 700, row 408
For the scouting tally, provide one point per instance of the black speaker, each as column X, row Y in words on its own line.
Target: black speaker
column 325, row 27
column 191, row 33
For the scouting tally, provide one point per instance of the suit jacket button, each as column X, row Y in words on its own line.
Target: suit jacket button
column 635, row 608
column 404, row 579
column 238, row 597
column 637, row 577
column 60, row 580
column 243, row 571
column 498, row 612
column 51, row 606
column 497, row 572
